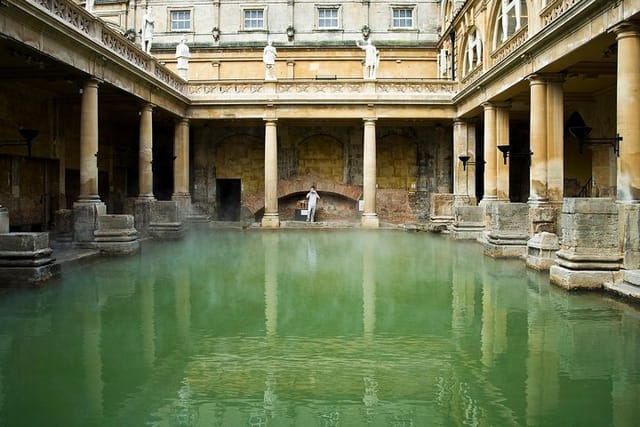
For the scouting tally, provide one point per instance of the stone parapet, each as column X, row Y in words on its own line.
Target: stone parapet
column 468, row 223
column 508, row 230
column 165, row 221
column 589, row 255
column 116, row 235
column 26, row 259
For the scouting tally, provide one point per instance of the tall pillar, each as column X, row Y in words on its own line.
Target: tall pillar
column 538, row 141
column 464, row 180
column 369, row 216
column 271, row 218
column 490, row 153
column 628, row 105
column 555, row 140
column 145, row 200
column 502, row 138
column 145, row 156
column 181, row 168
column 88, row 206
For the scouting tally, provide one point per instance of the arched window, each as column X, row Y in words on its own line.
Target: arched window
column 473, row 55
column 510, row 17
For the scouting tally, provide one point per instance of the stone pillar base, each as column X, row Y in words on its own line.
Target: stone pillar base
column 541, row 251
column 581, row 279
column 629, row 287
column 116, row 235
column 4, row 220
column 504, row 245
column 271, row 220
column 165, row 221
column 85, row 221
column 629, row 220
column 183, row 201
column 370, row 221
column 468, row 223
column 25, row 260
column 63, row 227
column 142, row 207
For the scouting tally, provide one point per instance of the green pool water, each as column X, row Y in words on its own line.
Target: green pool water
column 315, row 328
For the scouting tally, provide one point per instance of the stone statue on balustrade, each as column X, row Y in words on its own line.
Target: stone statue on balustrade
column 147, row 30
column 269, row 58
column 182, row 56
column 371, row 59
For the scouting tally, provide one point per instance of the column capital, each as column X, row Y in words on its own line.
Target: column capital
column 147, row 106
column 626, row 29
column 270, row 121
column 538, row 78
column 488, row 105
column 369, row 120
column 503, row 105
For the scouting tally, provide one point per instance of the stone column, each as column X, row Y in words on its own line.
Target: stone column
column 369, row 216
column 88, row 206
column 271, row 218
column 628, row 105
column 464, row 181
column 181, row 168
column 502, row 138
column 145, row 156
column 490, row 153
column 555, row 140
column 538, row 141
column 145, row 199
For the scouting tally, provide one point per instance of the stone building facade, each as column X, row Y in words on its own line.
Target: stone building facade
column 518, row 103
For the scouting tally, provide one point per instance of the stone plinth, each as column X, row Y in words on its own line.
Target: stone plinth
column 629, row 233
column 468, row 222
column 543, row 219
column 4, row 220
column 589, row 254
column 25, row 259
column 116, row 235
column 142, row 212
column 369, row 221
column 629, row 287
column 63, row 226
column 508, row 230
column 165, row 221
column 441, row 210
column 85, row 221
column 183, row 200
column 541, row 250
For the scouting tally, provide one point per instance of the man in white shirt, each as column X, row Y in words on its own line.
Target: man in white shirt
column 313, row 202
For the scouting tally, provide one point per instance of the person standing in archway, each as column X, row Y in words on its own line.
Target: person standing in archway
column 313, row 197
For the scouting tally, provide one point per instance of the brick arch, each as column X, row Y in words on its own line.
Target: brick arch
column 300, row 184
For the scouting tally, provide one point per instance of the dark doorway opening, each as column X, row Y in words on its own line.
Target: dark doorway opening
column 228, row 199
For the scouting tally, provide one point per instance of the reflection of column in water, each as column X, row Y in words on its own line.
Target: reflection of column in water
column 369, row 288
column 270, row 396
column 147, row 282
column 542, row 385
column 5, row 345
column 494, row 324
column 183, row 300
column 370, row 398
column 93, row 358
column 270, row 243
column 312, row 256
column 186, row 413
column 463, row 295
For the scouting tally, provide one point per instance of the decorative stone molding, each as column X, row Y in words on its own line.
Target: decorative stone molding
column 514, row 42
column 556, row 9
column 70, row 13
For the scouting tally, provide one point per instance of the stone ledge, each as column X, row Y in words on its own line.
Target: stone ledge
column 581, row 279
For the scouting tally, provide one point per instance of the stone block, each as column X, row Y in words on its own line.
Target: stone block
column 85, row 220
column 508, row 230
column 4, row 220
column 541, row 250
column 468, row 223
column 629, row 235
column 25, row 259
column 589, row 205
column 581, row 279
column 116, row 235
column 165, row 222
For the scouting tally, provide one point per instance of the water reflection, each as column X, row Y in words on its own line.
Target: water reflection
column 335, row 328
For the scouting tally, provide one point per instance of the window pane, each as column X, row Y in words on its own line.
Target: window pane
column 253, row 19
column 328, row 18
column 402, row 18
column 180, row 20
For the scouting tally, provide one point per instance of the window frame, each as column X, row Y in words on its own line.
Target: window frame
column 171, row 11
column 243, row 18
column 337, row 8
column 399, row 7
